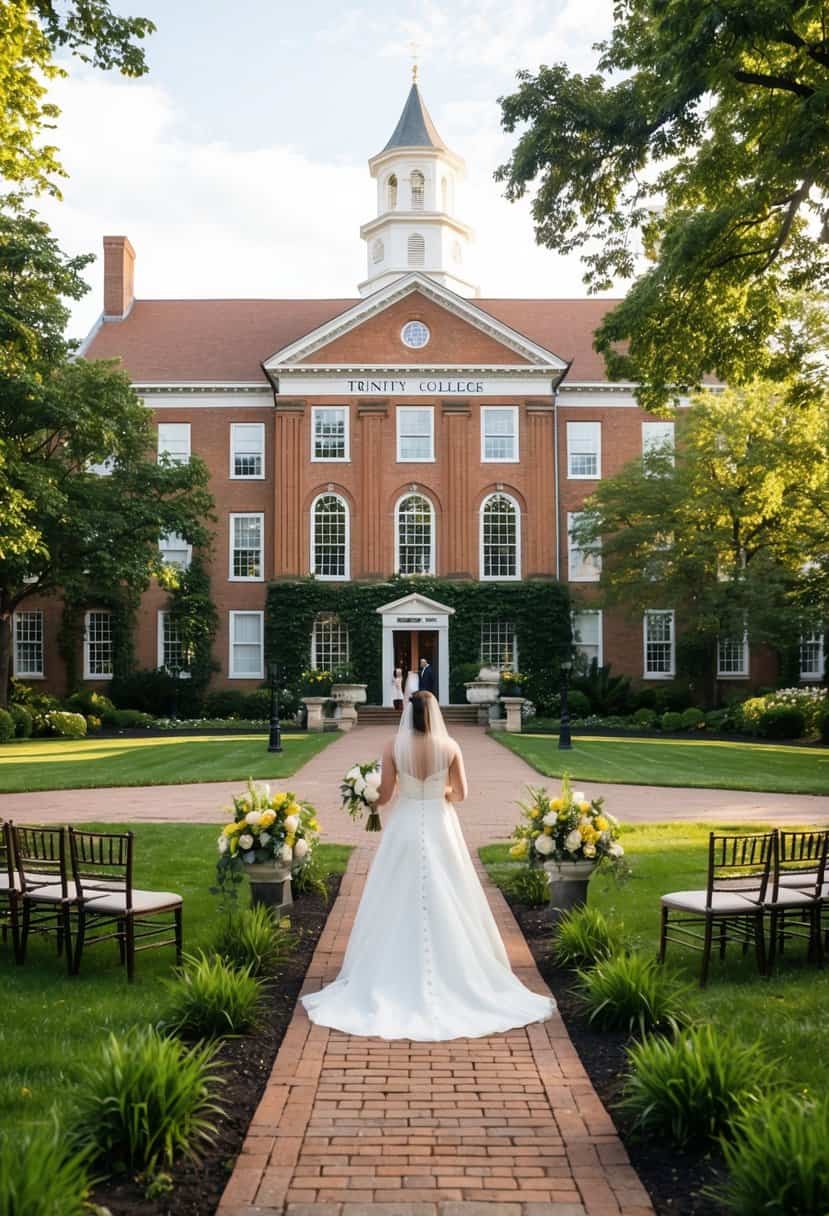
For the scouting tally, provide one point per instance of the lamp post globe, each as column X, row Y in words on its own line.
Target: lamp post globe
column 565, row 743
column 275, row 735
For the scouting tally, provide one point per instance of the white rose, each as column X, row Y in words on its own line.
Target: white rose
column 286, row 853
column 359, row 786
column 300, row 849
column 264, row 837
column 222, row 843
column 246, row 841
column 544, row 845
column 578, row 796
column 372, row 779
column 353, row 773
column 573, row 842
column 291, row 823
column 371, row 794
column 550, row 818
column 253, row 817
column 590, row 850
column 616, row 850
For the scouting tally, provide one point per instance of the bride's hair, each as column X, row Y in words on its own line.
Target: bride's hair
column 421, row 716
column 423, row 745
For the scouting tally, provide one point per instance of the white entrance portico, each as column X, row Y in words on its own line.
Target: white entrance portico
column 416, row 616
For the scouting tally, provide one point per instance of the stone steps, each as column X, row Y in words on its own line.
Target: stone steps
column 380, row 715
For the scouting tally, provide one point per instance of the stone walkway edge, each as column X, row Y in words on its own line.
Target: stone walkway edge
column 502, row 1126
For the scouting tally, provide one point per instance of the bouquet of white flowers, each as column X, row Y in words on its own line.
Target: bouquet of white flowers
column 360, row 789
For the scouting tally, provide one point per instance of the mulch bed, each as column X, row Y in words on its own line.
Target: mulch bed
column 673, row 1177
column 246, row 1063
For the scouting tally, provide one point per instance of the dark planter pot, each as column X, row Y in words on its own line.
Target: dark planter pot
column 270, row 884
column 569, row 881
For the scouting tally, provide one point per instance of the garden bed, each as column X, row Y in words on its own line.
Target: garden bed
column 246, row 1063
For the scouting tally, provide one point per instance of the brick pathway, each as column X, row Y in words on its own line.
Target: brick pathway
column 364, row 1127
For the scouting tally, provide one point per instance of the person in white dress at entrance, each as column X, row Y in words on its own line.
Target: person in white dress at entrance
column 397, row 689
column 425, row 960
column 412, row 685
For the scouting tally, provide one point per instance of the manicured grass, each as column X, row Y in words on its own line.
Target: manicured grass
column 788, row 1012
column 71, row 764
column 51, row 1025
column 704, row 763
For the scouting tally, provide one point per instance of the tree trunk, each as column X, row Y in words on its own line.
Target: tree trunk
column 5, row 657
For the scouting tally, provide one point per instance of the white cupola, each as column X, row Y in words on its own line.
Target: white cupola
column 415, row 227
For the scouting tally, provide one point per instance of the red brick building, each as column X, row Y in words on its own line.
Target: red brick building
column 419, row 428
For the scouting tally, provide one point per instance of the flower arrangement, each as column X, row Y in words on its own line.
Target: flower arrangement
column 566, row 828
column 511, row 683
column 360, row 789
column 267, row 827
column 317, row 683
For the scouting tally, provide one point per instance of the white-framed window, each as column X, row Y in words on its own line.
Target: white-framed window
column 28, row 644
column 247, row 646
column 584, row 451
column 246, row 544
column 658, row 438
column 415, row 434
column 660, row 644
column 500, row 537
column 329, row 537
column 732, row 656
column 330, row 647
column 588, row 635
column 414, row 535
column 329, row 432
column 498, row 648
column 175, row 551
column 173, row 442
column 812, row 659
column 170, row 649
column 418, row 184
column 391, row 192
column 97, row 645
column 247, row 451
column 416, row 249
column 499, row 433
column 583, row 565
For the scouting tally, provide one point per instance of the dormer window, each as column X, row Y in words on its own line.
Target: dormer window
column 417, row 250
column 391, row 192
column 417, row 183
column 377, row 252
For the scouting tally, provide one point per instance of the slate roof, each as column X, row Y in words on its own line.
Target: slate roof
column 415, row 128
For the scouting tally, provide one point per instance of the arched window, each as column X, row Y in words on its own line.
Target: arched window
column 417, row 250
column 415, row 534
column 418, row 183
column 329, row 537
column 500, row 537
column 377, row 251
column 391, row 192
column 329, row 643
column 444, row 194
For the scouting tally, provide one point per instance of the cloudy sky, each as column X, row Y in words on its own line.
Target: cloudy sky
column 237, row 166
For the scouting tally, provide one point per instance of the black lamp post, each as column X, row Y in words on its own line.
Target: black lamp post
column 564, row 741
column 175, row 670
column 275, row 737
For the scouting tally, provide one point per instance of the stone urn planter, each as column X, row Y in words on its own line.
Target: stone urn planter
column 314, row 707
column 270, row 884
column 483, row 692
column 347, row 697
column 568, row 884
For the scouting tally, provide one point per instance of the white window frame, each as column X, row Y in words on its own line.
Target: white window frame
column 813, row 676
column 589, row 560
column 315, row 410
column 234, row 427
column 488, row 622
column 175, row 458
column 17, row 670
column 500, row 578
column 246, row 578
column 87, row 674
column 318, row 619
column 744, row 672
column 664, row 445
column 572, row 431
column 404, row 411
column 183, row 545
column 433, row 548
column 598, row 613
column 162, row 615
column 245, row 675
column 331, row 578
column 658, row 675
column 501, row 409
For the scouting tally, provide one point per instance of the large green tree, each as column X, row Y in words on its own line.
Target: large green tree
column 701, row 137
column 64, row 527
column 731, row 529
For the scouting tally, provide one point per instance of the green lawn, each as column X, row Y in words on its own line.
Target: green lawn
column 51, row 1025
column 70, row 764
column 706, row 763
column 789, row 1012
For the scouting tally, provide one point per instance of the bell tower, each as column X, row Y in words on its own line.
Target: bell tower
column 415, row 227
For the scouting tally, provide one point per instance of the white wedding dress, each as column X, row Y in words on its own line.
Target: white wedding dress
column 425, row 959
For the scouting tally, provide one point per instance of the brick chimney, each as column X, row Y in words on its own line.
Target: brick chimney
column 119, row 274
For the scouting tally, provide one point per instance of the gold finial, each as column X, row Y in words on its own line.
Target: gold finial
column 413, row 48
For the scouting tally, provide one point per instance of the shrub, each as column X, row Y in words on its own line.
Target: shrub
column 531, row 887
column 693, row 719
column 718, row 719
column 93, row 724
column 583, row 936
column 824, row 727
column 256, row 705
column 781, row 722
column 209, row 998
column 7, row 726
column 673, row 695
column 66, row 725
column 644, row 717
column 225, row 703
column 255, row 940
column 671, row 720
column 778, row 1158
column 126, row 719
column 40, row 1178
column 310, row 876
column 644, row 698
column 607, row 694
column 87, row 701
column 146, row 1099
column 692, row 1085
column 578, row 704
column 632, row 993
column 23, row 721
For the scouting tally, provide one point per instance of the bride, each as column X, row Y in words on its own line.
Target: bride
column 425, row 960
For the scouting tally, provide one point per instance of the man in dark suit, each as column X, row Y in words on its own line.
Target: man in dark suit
column 427, row 676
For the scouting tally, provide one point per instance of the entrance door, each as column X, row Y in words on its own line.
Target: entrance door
column 412, row 645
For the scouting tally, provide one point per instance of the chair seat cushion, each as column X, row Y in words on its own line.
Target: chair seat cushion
column 722, row 902
column 142, row 901
column 787, row 897
column 50, row 893
column 5, row 885
column 805, row 879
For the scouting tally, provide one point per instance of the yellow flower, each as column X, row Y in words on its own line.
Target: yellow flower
column 548, row 831
column 519, row 850
column 313, row 825
column 267, row 819
column 601, row 823
column 584, row 807
column 558, row 804
column 232, row 828
column 534, row 813
column 289, row 840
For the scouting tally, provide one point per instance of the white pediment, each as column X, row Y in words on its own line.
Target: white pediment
column 415, row 605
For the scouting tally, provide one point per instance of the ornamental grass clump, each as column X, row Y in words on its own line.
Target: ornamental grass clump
column 256, row 941
column 629, row 992
column 530, row 887
column 39, row 1177
column 209, row 998
column 146, row 1100
column 583, row 936
column 778, row 1158
column 690, row 1086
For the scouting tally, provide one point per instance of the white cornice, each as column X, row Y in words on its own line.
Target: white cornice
column 421, row 219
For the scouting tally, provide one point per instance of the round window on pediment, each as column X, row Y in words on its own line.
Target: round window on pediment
column 415, row 334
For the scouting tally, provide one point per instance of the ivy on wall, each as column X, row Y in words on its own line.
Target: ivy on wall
column 539, row 610
column 192, row 609
column 123, row 607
